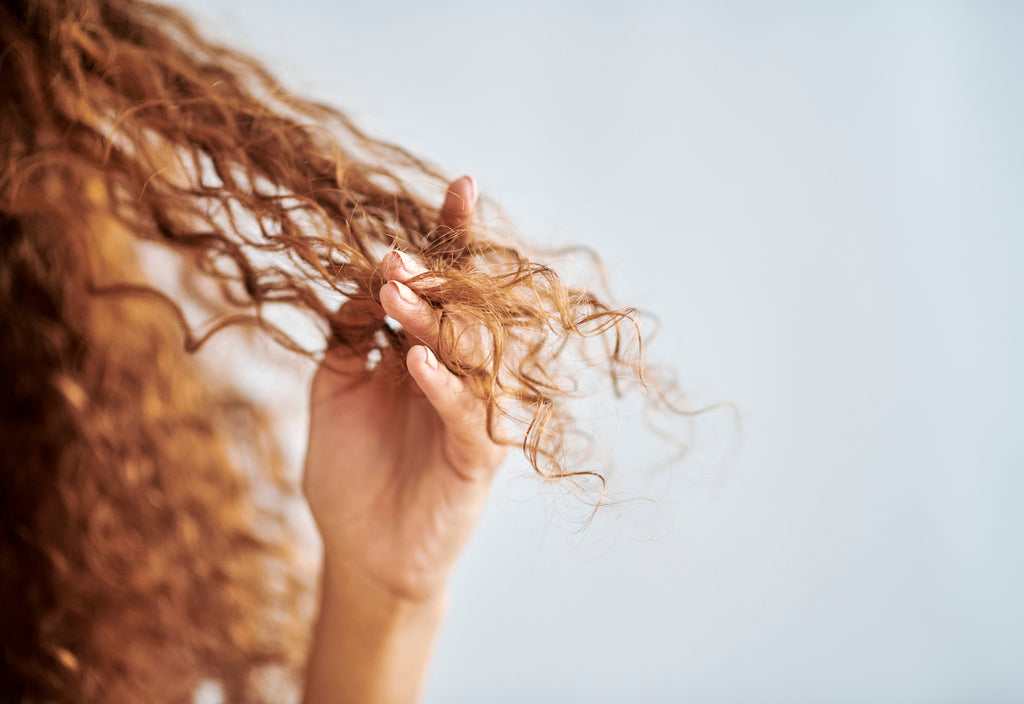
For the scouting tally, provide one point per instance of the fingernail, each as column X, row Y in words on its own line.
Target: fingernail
column 403, row 260
column 404, row 292
column 472, row 188
column 431, row 359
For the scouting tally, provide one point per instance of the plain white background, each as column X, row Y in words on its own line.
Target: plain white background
column 822, row 202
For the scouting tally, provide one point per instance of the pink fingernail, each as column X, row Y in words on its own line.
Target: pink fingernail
column 405, row 259
column 404, row 292
column 401, row 260
column 431, row 359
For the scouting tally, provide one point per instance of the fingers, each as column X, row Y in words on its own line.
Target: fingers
column 445, row 391
column 463, row 415
column 459, row 203
column 415, row 315
column 472, row 341
column 401, row 303
column 456, row 215
column 399, row 266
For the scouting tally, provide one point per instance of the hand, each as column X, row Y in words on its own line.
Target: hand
column 397, row 473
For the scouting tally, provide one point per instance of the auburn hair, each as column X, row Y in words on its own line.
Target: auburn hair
column 135, row 561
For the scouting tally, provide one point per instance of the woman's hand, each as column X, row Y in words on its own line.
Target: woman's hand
column 397, row 473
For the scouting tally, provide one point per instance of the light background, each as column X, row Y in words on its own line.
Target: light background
column 823, row 203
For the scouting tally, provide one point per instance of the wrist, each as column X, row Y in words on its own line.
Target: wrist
column 371, row 645
column 381, row 601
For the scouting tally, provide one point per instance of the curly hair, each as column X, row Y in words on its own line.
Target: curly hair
column 135, row 561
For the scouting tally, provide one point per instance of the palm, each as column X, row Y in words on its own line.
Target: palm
column 378, row 476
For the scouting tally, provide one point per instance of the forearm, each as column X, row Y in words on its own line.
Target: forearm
column 369, row 646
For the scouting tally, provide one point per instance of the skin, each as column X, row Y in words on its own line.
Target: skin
column 396, row 475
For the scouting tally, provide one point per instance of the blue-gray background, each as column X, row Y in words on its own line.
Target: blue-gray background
column 823, row 203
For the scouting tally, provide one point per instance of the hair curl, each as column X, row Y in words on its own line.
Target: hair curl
column 134, row 558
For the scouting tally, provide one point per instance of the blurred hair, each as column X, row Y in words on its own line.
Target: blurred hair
column 135, row 561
